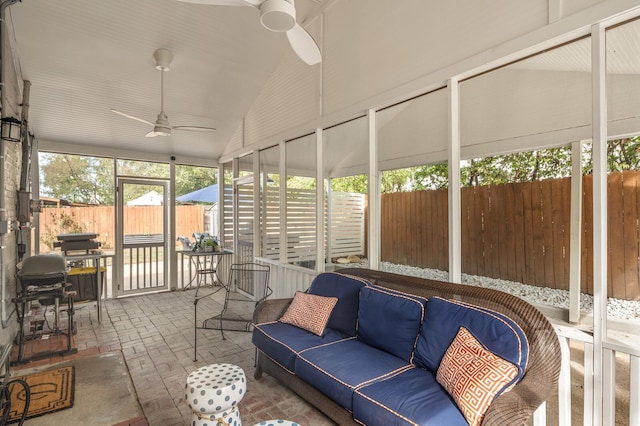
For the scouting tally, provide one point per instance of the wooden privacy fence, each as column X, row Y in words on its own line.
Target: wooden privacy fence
column 518, row 232
column 414, row 229
column 101, row 220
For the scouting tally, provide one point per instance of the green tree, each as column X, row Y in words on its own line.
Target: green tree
column 143, row 169
column 396, row 180
column 77, row 178
column 435, row 176
column 357, row 184
column 90, row 179
column 301, row 182
column 622, row 154
column 191, row 178
column 519, row 167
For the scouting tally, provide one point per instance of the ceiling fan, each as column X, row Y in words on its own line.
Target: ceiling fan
column 278, row 16
column 161, row 127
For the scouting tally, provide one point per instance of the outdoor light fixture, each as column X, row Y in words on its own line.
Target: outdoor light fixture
column 11, row 129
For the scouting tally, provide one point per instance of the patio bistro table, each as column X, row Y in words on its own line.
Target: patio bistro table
column 203, row 262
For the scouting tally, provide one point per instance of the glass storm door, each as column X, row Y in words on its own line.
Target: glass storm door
column 142, row 243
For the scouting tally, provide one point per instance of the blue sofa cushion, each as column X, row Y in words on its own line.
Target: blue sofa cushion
column 390, row 320
column 413, row 397
column 282, row 342
column 498, row 333
column 347, row 289
column 337, row 369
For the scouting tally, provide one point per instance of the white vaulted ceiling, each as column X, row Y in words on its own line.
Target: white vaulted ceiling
column 85, row 57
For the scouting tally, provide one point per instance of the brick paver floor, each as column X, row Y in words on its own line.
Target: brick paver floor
column 155, row 333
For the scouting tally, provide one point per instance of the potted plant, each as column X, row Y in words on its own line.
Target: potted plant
column 199, row 244
column 208, row 244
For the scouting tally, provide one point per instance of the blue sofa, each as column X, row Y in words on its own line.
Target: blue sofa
column 377, row 361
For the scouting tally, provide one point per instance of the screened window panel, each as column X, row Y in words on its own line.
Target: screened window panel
column 623, row 180
column 623, row 79
column 270, row 202
column 541, row 101
column 301, row 201
column 228, row 204
column 414, row 132
column 346, row 149
column 346, row 160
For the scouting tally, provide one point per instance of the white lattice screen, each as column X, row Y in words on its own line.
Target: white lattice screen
column 345, row 225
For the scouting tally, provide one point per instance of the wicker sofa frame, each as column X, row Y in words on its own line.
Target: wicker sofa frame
column 514, row 407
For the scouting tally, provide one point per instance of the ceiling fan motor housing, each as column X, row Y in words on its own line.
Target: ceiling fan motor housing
column 278, row 15
column 161, row 127
column 163, row 58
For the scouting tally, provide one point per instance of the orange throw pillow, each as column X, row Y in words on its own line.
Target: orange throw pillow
column 310, row 312
column 473, row 375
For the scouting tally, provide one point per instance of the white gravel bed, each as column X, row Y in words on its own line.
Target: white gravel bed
column 616, row 308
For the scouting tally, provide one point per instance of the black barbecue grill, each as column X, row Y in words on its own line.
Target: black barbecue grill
column 43, row 278
column 77, row 242
column 42, row 273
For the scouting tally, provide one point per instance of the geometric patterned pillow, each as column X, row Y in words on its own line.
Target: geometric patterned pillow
column 310, row 312
column 473, row 375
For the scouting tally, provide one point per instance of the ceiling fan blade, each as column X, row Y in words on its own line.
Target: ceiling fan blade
column 304, row 45
column 195, row 128
column 132, row 117
column 254, row 3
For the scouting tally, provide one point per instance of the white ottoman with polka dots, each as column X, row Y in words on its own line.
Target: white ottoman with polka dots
column 213, row 393
column 278, row 422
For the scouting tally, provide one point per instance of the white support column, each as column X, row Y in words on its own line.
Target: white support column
column 555, row 10
column 328, row 219
column 35, row 193
column 257, row 192
column 116, row 266
column 374, row 194
column 575, row 245
column 284, row 255
column 564, row 383
column 235, row 171
column 634, row 393
column 587, row 417
column 609, row 387
column 173, row 257
column 540, row 415
column 455, row 261
column 221, row 203
column 320, row 195
column 599, row 128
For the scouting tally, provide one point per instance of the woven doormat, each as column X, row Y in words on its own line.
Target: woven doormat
column 51, row 391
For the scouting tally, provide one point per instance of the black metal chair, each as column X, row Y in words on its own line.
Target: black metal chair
column 248, row 285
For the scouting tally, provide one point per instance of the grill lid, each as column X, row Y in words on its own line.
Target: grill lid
column 77, row 237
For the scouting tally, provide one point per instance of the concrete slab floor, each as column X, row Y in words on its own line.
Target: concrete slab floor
column 104, row 394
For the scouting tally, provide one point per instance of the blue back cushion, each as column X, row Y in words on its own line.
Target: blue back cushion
column 498, row 333
column 390, row 320
column 347, row 289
